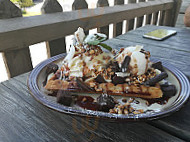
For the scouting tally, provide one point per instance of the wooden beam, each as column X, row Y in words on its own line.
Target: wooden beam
column 22, row 32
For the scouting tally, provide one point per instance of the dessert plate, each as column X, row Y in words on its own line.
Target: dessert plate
column 175, row 76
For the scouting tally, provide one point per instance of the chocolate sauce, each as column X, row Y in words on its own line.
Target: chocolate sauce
column 100, row 79
column 54, row 94
column 168, row 92
column 136, row 102
column 87, row 102
column 161, row 101
column 158, row 65
column 45, row 81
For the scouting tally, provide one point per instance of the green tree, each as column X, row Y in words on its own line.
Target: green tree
column 26, row 3
column 23, row 3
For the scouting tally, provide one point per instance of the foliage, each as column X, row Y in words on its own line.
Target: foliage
column 23, row 3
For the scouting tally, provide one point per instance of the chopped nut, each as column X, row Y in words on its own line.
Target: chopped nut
column 120, row 111
column 131, row 109
column 141, row 110
column 109, row 69
column 91, row 52
column 92, row 84
column 127, row 104
column 126, row 111
column 147, row 103
column 127, row 79
column 111, row 111
column 84, row 99
column 136, row 112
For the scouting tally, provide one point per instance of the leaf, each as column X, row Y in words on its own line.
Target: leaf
column 105, row 46
column 95, row 39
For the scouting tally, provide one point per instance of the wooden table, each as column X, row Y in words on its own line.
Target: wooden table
column 23, row 119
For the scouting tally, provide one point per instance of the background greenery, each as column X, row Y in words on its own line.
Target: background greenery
column 23, row 3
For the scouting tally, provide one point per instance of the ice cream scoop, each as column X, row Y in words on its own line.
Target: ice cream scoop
column 138, row 64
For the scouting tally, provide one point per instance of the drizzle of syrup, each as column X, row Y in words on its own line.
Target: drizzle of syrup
column 161, row 101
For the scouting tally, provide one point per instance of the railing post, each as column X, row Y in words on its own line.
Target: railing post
column 149, row 16
column 140, row 19
column 16, row 61
column 119, row 26
column 171, row 15
column 104, row 29
column 131, row 22
column 162, row 15
column 78, row 5
column 175, row 13
column 56, row 46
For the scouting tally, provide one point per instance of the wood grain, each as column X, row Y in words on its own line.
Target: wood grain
column 39, row 123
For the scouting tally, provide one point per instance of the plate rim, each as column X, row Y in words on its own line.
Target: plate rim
column 39, row 96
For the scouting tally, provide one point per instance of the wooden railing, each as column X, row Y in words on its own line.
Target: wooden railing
column 17, row 32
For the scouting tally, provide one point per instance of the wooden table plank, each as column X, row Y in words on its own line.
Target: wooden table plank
column 35, row 122
column 178, row 123
column 176, row 41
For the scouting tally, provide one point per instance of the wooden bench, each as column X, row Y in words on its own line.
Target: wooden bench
column 17, row 33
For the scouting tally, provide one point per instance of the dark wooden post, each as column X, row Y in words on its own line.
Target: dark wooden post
column 161, row 21
column 171, row 15
column 140, row 19
column 119, row 26
column 78, row 5
column 149, row 16
column 56, row 46
column 17, row 61
column 132, row 21
column 104, row 29
column 176, row 9
column 155, row 18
